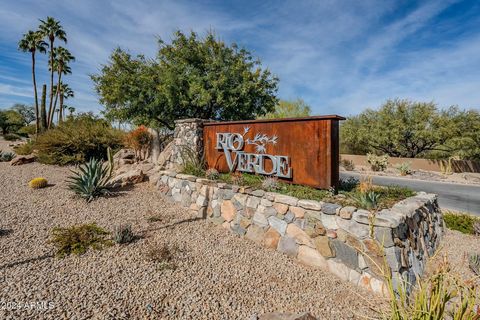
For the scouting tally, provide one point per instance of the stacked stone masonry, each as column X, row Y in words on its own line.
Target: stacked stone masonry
column 346, row 241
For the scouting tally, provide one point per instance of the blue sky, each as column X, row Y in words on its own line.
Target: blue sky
column 339, row 56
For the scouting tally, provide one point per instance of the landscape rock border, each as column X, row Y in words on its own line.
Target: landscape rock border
column 345, row 241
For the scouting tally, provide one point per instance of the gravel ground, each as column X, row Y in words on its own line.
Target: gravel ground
column 218, row 275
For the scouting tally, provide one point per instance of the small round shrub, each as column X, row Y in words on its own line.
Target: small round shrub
column 270, row 184
column 38, row 183
column 377, row 163
column 212, row 174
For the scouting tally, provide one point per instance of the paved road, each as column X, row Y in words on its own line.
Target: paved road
column 453, row 196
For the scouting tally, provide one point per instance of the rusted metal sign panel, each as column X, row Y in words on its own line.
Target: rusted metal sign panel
column 298, row 150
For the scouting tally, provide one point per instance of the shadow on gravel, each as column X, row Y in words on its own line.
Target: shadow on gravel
column 18, row 263
column 5, row 232
column 171, row 225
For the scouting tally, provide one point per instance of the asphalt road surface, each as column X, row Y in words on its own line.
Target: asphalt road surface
column 454, row 196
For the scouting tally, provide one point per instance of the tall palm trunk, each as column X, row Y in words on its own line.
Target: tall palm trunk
column 43, row 108
column 50, row 111
column 37, row 119
column 61, row 107
column 58, row 91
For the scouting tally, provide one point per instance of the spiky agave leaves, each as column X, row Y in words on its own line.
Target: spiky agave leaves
column 91, row 180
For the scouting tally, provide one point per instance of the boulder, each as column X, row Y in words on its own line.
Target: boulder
column 19, row 160
column 128, row 178
column 124, row 154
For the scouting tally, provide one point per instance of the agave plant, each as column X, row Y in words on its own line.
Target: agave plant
column 91, row 180
column 368, row 200
column 6, row 156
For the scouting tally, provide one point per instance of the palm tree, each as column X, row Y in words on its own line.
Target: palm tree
column 60, row 64
column 65, row 93
column 52, row 29
column 33, row 42
column 70, row 109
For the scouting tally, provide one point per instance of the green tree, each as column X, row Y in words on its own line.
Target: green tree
column 402, row 128
column 191, row 77
column 10, row 121
column 26, row 112
column 52, row 30
column 32, row 42
column 289, row 109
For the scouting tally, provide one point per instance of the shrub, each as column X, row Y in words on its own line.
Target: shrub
column 38, row 183
column 443, row 295
column 162, row 255
column 404, row 168
column 368, row 200
column 192, row 163
column 377, row 163
column 348, row 184
column 91, row 180
column 27, row 131
column 237, row 178
column 6, row 156
column 347, row 164
column 78, row 239
column 212, row 174
column 460, row 221
column 25, row 148
column 123, row 234
column 270, row 184
column 11, row 137
column 77, row 140
column 139, row 140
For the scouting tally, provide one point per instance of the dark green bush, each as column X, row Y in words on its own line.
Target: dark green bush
column 27, row 130
column 460, row 221
column 77, row 140
column 11, row 137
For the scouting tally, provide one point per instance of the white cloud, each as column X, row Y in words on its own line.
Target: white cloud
column 340, row 56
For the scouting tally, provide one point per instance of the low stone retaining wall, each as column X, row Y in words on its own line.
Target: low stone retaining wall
column 348, row 242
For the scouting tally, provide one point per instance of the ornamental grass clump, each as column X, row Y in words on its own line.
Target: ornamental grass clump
column 38, row 183
column 91, row 180
column 78, row 239
column 443, row 295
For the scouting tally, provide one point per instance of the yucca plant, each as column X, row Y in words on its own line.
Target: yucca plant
column 91, row 180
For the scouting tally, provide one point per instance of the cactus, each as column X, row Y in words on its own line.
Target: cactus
column 110, row 161
column 43, row 109
column 38, row 183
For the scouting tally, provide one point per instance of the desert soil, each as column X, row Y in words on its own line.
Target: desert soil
column 217, row 275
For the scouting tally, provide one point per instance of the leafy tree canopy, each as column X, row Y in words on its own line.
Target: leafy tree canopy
column 26, row 112
column 10, row 121
column 191, row 77
column 403, row 128
column 289, row 109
